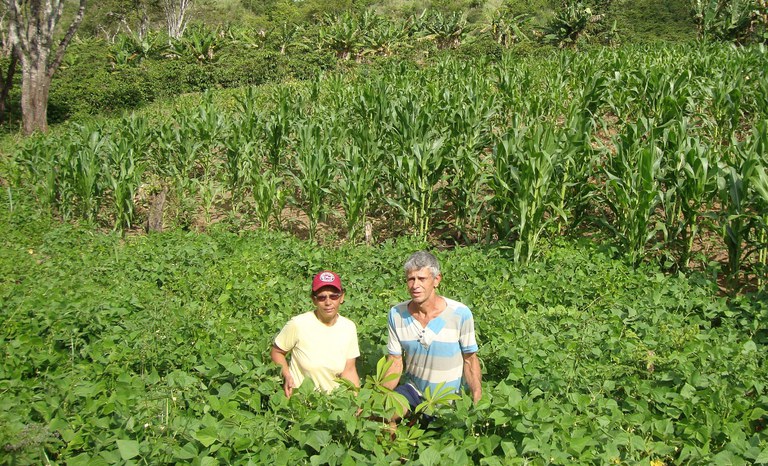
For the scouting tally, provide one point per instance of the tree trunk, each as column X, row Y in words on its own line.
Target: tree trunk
column 175, row 16
column 6, row 83
column 31, row 28
column 35, row 84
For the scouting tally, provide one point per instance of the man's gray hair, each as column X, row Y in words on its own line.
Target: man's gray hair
column 420, row 260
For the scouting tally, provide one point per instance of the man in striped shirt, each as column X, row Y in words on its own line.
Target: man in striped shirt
column 432, row 336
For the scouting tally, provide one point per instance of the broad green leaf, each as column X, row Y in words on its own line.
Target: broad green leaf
column 187, row 452
column 128, row 448
column 317, row 439
column 207, row 436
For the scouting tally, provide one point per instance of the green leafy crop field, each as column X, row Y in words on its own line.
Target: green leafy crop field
column 154, row 350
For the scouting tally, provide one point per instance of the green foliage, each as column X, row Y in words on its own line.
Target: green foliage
column 730, row 20
column 414, row 147
column 569, row 24
column 162, row 355
column 652, row 20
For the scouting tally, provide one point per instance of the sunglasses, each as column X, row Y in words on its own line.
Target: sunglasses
column 332, row 296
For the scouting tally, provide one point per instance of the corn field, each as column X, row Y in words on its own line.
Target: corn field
column 660, row 151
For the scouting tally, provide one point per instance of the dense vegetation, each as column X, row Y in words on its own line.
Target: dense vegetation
column 597, row 197
column 154, row 350
column 657, row 149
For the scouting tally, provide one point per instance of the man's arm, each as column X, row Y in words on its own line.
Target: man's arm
column 350, row 372
column 395, row 368
column 278, row 357
column 472, row 375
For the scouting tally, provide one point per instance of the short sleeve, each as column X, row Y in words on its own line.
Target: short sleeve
column 288, row 336
column 354, row 347
column 467, row 339
column 393, row 342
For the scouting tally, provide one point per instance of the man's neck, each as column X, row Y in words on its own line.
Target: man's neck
column 429, row 308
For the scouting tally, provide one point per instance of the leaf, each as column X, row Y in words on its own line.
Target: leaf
column 207, row 436
column 762, row 458
column 317, row 439
column 430, row 456
column 128, row 448
column 187, row 452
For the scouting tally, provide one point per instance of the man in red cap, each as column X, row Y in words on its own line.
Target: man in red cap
column 323, row 344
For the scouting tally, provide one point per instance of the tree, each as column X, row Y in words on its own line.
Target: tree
column 31, row 25
column 175, row 16
column 6, row 78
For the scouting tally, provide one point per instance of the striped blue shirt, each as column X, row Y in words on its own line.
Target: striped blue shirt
column 433, row 354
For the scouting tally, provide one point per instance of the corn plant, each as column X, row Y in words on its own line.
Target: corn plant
column 176, row 161
column 355, row 188
column 37, row 159
column 524, row 187
column 759, row 181
column 740, row 191
column 209, row 191
column 270, row 196
column 577, row 156
column 241, row 157
column 690, row 182
column 415, row 174
column 312, row 171
column 124, row 173
column 724, row 108
column 83, row 170
column 277, row 125
column 472, row 114
column 632, row 192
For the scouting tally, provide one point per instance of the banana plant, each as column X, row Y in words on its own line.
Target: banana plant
column 198, row 43
column 729, row 20
column 569, row 24
column 447, row 30
column 384, row 38
column 506, row 28
column 341, row 34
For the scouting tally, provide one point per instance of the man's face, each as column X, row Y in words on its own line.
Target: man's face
column 421, row 284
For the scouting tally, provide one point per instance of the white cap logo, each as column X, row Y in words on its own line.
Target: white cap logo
column 326, row 277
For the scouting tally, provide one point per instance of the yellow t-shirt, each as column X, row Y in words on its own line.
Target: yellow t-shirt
column 318, row 351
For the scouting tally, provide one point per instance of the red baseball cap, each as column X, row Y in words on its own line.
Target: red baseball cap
column 326, row 278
